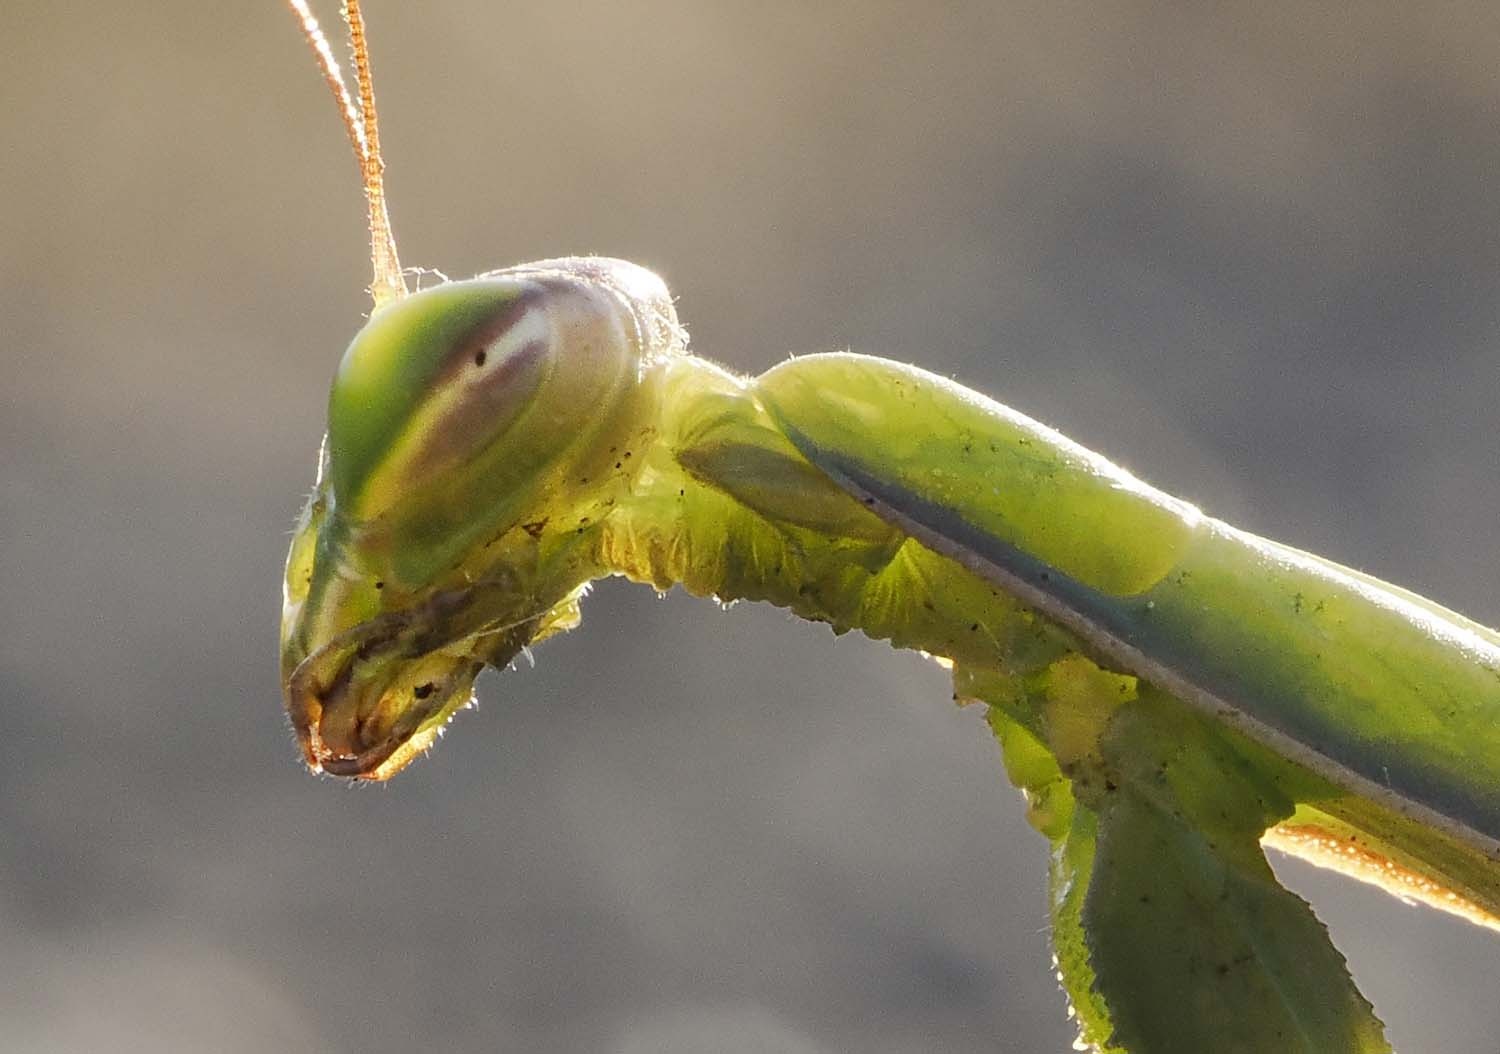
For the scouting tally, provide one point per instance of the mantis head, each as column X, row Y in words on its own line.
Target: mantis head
column 470, row 455
column 469, row 459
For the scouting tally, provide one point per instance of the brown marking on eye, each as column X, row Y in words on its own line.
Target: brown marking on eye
column 505, row 374
column 535, row 528
column 471, row 349
column 475, row 344
column 490, row 401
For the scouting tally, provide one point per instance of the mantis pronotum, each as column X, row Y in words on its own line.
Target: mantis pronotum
column 1169, row 693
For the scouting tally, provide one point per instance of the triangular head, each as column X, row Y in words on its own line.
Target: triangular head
column 462, row 419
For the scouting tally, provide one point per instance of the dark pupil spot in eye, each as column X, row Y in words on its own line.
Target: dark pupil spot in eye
column 479, row 357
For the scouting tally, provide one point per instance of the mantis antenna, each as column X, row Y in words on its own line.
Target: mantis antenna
column 363, row 125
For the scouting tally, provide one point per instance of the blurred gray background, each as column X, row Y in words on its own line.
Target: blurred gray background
column 1248, row 250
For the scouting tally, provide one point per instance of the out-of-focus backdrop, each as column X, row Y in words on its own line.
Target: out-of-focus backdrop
column 1248, row 250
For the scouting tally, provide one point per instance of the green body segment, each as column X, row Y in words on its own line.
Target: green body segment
column 1359, row 680
column 1155, row 808
column 1140, row 795
column 1164, row 688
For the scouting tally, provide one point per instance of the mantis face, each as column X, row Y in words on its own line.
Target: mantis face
column 462, row 422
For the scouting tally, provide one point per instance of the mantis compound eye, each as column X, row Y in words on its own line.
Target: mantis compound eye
column 428, row 389
column 461, row 419
column 455, row 409
column 427, row 383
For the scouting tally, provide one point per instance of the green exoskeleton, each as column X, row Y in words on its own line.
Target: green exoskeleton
column 1169, row 693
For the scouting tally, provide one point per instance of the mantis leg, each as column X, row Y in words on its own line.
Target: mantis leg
column 1170, row 931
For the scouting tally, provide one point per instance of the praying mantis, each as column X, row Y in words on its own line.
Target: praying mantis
column 1170, row 694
